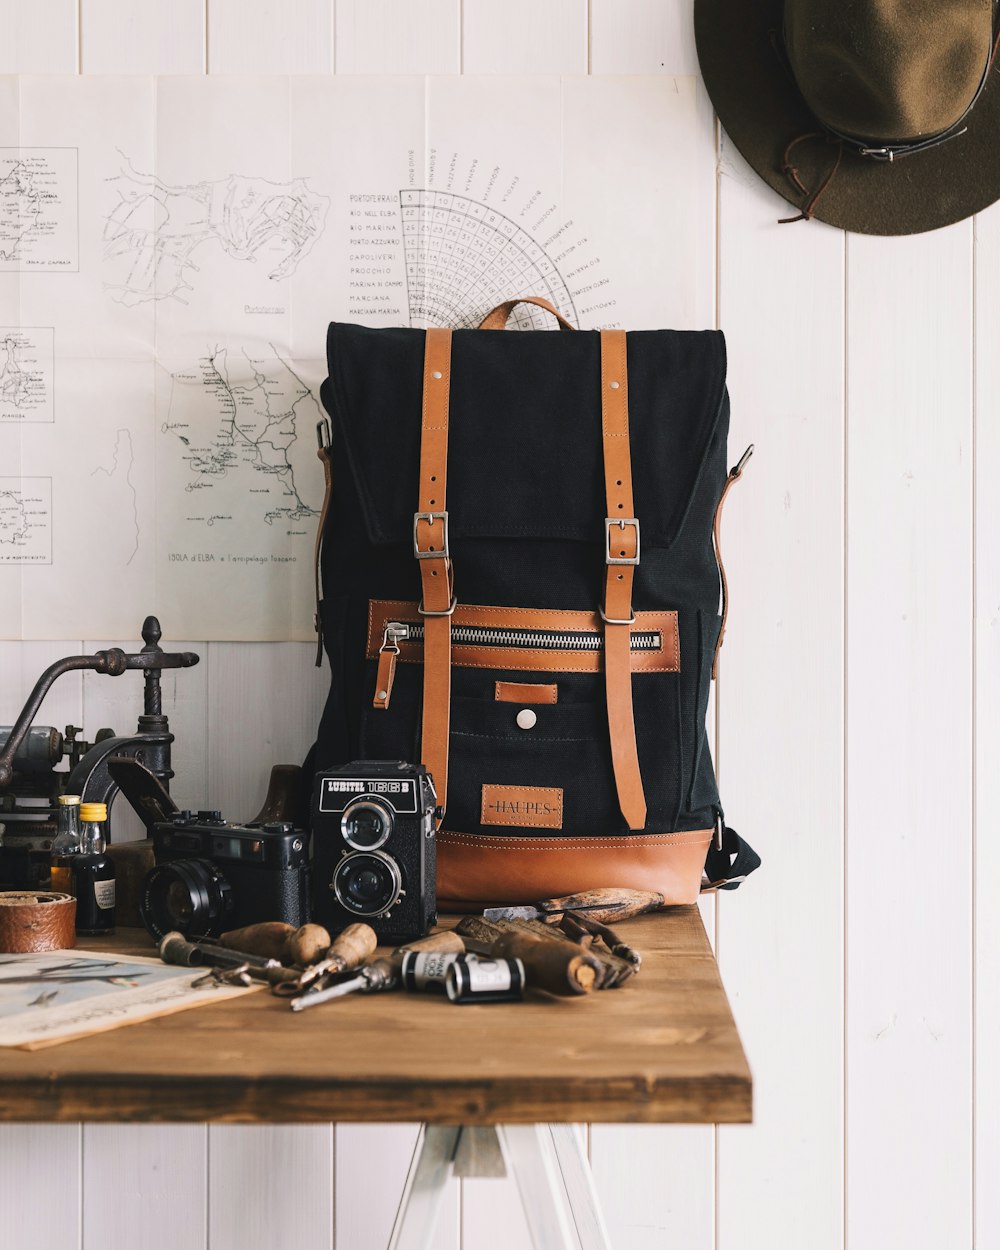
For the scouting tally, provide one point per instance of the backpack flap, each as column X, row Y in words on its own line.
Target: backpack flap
column 525, row 429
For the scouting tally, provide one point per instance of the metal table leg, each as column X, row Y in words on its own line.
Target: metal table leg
column 549, row 1165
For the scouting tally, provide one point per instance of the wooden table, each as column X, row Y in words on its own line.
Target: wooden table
column 663, row 1048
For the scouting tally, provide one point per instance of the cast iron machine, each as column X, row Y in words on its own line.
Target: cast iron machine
column 29, row 754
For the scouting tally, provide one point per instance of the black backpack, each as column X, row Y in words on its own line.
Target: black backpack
column 521, row 590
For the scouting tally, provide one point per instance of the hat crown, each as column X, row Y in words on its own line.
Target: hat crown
column 889, row 70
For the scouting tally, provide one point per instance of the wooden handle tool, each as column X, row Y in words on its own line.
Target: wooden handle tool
column 349, row 950
column 557, row 966
column 276, row 940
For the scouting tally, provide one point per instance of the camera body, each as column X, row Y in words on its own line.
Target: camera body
column 374, row 848
column 211, row 876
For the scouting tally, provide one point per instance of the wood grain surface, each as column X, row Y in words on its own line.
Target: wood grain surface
column 662, row 1048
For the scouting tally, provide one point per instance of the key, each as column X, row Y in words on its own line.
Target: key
column 373, row 978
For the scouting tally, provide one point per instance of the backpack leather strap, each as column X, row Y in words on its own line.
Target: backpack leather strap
column 621, row 554
column 433, row 553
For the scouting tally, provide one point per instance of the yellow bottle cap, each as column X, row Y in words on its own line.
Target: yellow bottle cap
column 96, row 813
column 68, row 800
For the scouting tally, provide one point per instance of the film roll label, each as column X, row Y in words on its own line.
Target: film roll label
column 472, row 979
column 424, row 970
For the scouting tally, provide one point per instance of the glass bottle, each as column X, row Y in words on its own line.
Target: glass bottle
column 66, row 845
column 94, row 873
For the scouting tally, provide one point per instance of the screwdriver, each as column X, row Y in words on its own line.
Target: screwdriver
column 380, row 974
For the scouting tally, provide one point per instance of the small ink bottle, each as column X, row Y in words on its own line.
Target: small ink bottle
column 94, row 874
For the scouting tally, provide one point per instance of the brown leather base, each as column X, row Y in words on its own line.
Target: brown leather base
column 477, row 870
column 36, row 920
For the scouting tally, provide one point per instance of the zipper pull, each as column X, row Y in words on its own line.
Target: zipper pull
column 395, row 632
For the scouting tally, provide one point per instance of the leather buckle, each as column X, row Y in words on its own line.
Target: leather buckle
column 620, row 521
column 430, row 518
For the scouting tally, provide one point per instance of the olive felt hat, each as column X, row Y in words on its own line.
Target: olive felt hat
column 877, row 116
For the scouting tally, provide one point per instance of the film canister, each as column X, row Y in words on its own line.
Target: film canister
column 425, row 970
column 472, row 979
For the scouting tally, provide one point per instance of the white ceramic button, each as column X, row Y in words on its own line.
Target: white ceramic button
column 526, row 718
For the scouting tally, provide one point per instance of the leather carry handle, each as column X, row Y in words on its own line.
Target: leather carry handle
column 497, row 319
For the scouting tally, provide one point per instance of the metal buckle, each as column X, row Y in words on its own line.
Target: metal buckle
column 621, row 522
column 446, row 612
column 614, row 620
column 430, row 518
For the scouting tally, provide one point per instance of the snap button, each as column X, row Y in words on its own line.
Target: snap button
column 526, row 718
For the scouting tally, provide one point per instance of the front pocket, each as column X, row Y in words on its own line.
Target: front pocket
column 537, row 766
column 546, row 768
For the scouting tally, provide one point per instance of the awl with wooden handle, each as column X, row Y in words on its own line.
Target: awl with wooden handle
column 608, row 905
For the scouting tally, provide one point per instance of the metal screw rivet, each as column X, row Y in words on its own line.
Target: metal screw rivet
column 615, row 385
column 526, row 718
column 381, row 696
column 435, row 374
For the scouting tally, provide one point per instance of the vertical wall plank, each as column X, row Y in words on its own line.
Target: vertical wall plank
column 142, row 36
column 33, row 1154
column 40, row 1185
column 987, row 730
column 637, row 37
column 524, row 37
column 909, row 751
column 365, row 1212
column 781, row 714
column 656, row 1184
column 144, row 1187
column 270, row 1187
column 264, row 704
column 270, row 36
column 398, row 36
column 37, row 36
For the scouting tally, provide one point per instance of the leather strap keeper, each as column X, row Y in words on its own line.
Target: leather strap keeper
column 36, row 920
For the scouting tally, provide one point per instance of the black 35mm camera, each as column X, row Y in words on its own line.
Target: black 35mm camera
column 374, row 848
column 211, row 876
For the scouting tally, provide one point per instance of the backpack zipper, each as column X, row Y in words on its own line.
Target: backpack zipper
column 486, row 636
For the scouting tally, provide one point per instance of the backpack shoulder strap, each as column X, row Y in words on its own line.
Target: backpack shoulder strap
column 432, row 550
column 621, row 555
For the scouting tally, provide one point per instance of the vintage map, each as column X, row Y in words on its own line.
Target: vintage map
column 172, row 251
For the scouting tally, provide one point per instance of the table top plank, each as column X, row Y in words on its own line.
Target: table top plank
column 663, row 1048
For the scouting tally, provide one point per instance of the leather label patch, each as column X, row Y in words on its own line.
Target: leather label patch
column 525, row 692
column 538, row 807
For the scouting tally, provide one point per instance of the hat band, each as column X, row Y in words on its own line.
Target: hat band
column 889, row 152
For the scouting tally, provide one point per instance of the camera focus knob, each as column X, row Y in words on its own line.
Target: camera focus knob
column 210, row 817
column 183, row 817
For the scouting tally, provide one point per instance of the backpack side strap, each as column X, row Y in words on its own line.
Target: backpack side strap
column 729, row 864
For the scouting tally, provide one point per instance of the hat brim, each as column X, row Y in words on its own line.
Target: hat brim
column 760, row 107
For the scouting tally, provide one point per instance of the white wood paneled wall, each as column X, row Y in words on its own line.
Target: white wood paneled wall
column 856, row 719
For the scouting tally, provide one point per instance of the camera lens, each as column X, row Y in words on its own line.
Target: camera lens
column 189, row 895
column 367, row 882
column 366, row 824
